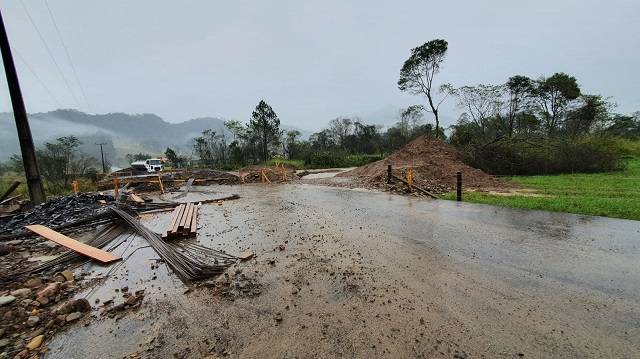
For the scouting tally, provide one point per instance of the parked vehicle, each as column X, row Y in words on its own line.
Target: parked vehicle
column 149, row 165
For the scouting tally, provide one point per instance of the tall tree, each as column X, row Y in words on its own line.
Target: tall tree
column 418, row 71
column 555, row 94
column 340, row 128
column 265, row 125
column 519, row 90
column 481, row 103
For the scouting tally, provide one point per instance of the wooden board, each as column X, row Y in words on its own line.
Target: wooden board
column 174, row 219
column 174, row 228
column 136, row 198
column 246, row 256
column 194, row 225
column 189, row 221
column 61, row 239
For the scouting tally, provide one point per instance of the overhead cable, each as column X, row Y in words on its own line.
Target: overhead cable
column 68, row 57
column 50, row 54
column 36, row 76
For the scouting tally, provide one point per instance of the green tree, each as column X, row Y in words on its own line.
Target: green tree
column 340, row 128
column 61, row 161
column 554, row 95
column 291, row 145
column 239, row 145
column 519, row 90
column 619, row 125
column 171, row 156
column 482, row 105
column 418, row 71
column 15, row 164
column 265, row 127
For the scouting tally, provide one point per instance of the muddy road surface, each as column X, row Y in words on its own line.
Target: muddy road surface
column 361, row 274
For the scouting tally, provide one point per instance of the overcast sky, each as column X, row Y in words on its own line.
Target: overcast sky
column 311, row 61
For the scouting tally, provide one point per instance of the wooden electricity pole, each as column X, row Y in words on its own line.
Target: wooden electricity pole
column 34, row 180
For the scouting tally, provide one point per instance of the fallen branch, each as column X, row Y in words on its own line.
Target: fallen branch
column 10, row 190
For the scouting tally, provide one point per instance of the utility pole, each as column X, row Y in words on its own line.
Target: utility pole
column 34, row 180
column 102, row 154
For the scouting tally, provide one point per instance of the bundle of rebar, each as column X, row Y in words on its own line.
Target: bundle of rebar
column 188, row 260
column 102, row 239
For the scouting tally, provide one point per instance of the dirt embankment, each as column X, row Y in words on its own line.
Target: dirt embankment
column 434, row 163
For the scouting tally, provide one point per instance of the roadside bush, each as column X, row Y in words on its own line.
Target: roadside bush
column 289, row 163
column 325, row 159
column 361, row 160
column 536, row 156
column 338, row 159
column 622, row 147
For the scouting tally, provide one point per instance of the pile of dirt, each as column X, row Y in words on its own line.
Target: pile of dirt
column 434, row 163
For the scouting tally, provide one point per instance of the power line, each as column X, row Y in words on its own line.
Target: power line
column 50, row 54
column 68, row 57
column 34, row 74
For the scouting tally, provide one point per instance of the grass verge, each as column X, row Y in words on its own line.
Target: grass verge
column 614, row 194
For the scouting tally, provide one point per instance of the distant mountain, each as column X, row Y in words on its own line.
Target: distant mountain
column 151, row 132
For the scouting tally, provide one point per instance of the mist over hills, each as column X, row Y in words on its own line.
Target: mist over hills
column 151, row 132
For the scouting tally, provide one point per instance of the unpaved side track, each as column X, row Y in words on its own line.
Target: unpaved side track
column 354, row 273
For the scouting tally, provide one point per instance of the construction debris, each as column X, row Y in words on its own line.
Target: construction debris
column 87, row 250
column 190, row 261
column 56, row 212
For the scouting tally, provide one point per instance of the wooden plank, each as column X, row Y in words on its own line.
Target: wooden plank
column 136, row 198
column 183, row 219
column 176, row 213
column 174, row 229
column 102, row 201
column 187, row 223
column 61, row 239
column 194, row 224
column 246, row 256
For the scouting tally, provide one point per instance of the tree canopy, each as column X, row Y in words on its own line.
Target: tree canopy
column 418, row 71
column 265, row 126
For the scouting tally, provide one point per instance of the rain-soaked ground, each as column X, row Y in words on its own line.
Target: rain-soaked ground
column 356, row 273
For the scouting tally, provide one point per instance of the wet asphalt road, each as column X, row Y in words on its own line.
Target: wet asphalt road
column 520, row 281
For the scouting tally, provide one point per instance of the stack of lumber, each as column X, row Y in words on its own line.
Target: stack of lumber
column 183, row 222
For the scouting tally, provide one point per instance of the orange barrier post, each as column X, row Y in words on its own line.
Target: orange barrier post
column 115, row 185
column 160, row 180
column 75, row 186
column 410, row 178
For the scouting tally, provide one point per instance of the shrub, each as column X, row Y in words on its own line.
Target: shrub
column 535, row 156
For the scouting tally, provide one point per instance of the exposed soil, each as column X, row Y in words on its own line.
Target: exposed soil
column 434, row 164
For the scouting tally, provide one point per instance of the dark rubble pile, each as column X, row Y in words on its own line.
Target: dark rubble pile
column 215, row 176
column 55, row 212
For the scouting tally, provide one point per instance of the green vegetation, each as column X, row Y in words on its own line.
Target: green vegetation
column 7, row 180
column 611, row 194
